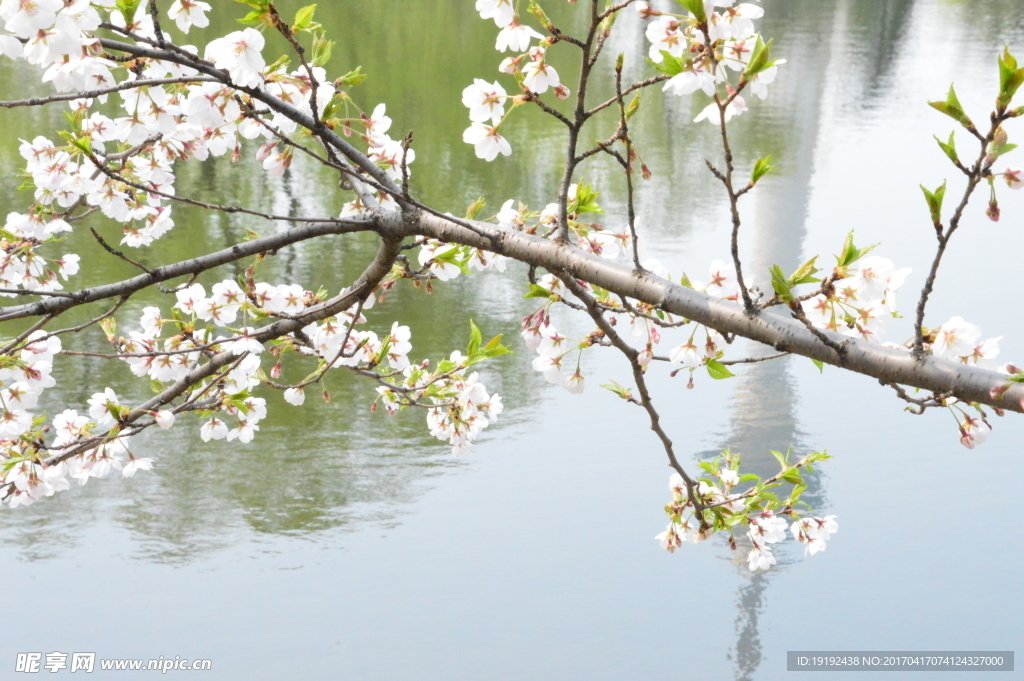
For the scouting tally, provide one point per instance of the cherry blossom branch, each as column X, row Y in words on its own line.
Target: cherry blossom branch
column 201, row 204
column 638, row 377
column 359, row 291
column 624, row 130
column 918, row 405
column 192, row 266
column 734, row 210
column 785, row 334
column 329, row 136
column 653, row 80
column 980, row 170
column 613, row 9
column 579, row 118
column 120, row 87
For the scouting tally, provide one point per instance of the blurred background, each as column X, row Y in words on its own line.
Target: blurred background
column 345, row 544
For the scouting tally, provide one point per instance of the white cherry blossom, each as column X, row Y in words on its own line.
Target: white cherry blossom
column 956, row 338
column 499, row 10
column 240, row 54
column 189, row 13
column 486, row 141
column 486, row 101
column 516, row 37
column 538, row 76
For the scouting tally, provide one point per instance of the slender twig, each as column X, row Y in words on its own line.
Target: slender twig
column 632, row 355
column 624, row 129
column 91, row 94
column 977, row 173
column 917, row 405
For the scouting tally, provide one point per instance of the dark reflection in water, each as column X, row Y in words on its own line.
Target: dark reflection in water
column 764, row 407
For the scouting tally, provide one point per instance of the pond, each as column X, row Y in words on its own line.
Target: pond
column 346, row 544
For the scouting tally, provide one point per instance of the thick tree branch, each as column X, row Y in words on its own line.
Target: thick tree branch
column 785, row 334
column 56, row 305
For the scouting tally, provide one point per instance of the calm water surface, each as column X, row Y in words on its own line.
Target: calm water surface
column 344, row 544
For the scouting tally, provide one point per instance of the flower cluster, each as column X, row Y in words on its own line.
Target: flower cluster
column 758, row 510
column 458, row 403
column 698, row 52
column 22, row 435
column 529, row 64
column 389, row 154
column 861, row 299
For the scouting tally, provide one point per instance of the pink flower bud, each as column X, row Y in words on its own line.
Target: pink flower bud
column 509, row 64
column 645, row 172
column 561, row 92
column 993, row 211
column 264, row 152
column 645, row 10
column 275, row 372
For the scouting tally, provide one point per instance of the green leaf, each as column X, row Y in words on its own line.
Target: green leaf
column 948, row 148
column 821, row 365
column 670, row 66
column 83, row 143
column 455, row 256
column 536, row 11
column 696, row 8
column 128, row 8
column 252, row 18
column 792, row 476
column 537, row 291
column 747, row 477
column 997, row 151
column 780, row 457
column 624, row 393
column 718, row 371
column 1010, row 78
column 633, row 107
column 759, row 59
column 586, row 200
column 322, row 49
column 781, row 284
column 851, row 253
column 952, row 108
column 494, row 348
column 475, row 208
column 352, row 78
column 475, row 338
column 804, row 274
column 761, row 168
column 818, row 456
column 934, row 200
column 304, row 17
